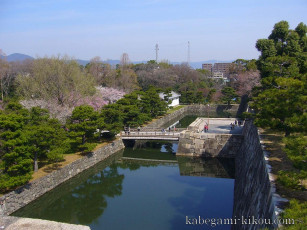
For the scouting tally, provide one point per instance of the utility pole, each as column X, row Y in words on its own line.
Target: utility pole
column 157, row 50
column 188, row 53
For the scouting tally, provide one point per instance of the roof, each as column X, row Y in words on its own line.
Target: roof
column 174, row 95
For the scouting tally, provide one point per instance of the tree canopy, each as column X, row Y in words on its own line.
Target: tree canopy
column 280, row 102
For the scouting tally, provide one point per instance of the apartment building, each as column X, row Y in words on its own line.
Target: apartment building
column 218, row 68
column 207, row 67
column 222, row 68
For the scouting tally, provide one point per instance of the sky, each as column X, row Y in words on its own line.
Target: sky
column 83, row 29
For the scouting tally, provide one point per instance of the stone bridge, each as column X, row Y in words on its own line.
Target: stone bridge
column 152, row 134
column 220, row 141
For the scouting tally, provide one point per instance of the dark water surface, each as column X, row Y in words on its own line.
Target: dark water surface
column 145, row 187
column 183, row 122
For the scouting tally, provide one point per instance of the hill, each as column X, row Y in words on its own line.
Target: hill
column 16, row 57
column 21, row 57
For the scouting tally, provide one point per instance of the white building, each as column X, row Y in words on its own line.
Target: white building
column 220, row 76
column 174, row 98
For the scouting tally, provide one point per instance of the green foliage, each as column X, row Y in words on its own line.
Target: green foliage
column 151, row 103
column 298, row 212
column 8, row 182
column 282, row 108
column 55, row 78
column 26, row 137
column 266, row 47
column 296, row 150
column 292, row 179
column 133, row 110
column 192, row 96
column 82, row 125
column 229, row 95
column 280, row 103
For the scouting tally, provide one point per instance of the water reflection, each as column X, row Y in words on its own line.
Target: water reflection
column 206, row 167
column 80, row 200
column 145, row 187
column 183, row 122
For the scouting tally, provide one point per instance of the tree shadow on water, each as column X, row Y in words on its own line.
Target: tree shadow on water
column 82, row 200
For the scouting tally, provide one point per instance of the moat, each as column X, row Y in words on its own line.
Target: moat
column 143, row 187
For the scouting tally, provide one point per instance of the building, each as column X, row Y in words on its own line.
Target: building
column 218, row 70
column 174, row 98
column 220, row 76
column 207, row 67
column 222, row 68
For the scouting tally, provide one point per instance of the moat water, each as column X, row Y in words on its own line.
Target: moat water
column 142, row 187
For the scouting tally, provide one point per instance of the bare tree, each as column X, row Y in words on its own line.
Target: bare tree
column 124, row 60
column 5, row 76
column 55, row 78
column 244, row 82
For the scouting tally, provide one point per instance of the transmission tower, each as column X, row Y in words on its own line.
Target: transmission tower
column 188, row 53
column 157, row 50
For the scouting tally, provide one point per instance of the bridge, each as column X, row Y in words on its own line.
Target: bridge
column 152, row 134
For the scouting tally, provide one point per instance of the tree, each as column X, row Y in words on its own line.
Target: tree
column 46, row 139
column 279, row 35
column 83, row 124
column 113, row 118
column 26, row 137
column 151, row 103
column 55, row 78
column 280, row 102
column 229, row 95
column 6, row 77
column 124, row 60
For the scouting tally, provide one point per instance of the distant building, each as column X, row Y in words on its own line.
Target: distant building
column 174, row 98
column 220, row 76
column 222, row 68
column 207, row 67
column 218, row 70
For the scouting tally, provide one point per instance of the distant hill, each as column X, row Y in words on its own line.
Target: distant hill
column 21, row 57
column 16, row 57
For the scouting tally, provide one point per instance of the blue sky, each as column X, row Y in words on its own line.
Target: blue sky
column 216, row 29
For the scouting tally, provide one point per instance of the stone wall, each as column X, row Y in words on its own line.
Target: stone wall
column 209, row 144
column 199, row 110
column 252, row 194
column 29, row 192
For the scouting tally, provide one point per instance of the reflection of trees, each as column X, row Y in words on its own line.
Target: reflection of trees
column 83, row 203
column 159, row 150
column 129, row 165
column 207, row 167
column 87, row 202
column 169, row 147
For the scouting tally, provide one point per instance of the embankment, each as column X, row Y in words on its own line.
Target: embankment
column 24, row 195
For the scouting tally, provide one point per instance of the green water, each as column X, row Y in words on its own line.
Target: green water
column 145, row 187
column 182, row 123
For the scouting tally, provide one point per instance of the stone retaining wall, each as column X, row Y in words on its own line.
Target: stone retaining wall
column 209, row 144
column 199, row 110
column 252, row 194
column 29, row 192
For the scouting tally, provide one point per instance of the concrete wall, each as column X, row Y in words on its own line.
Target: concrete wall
column 199, row 110
column 209, row 144
column 29, row 192
column 252, row 194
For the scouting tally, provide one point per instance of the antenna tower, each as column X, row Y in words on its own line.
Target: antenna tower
column 157, row 50
column 188, row 53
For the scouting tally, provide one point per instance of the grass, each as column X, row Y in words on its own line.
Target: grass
column 174, row 109
column 68, row 159
column 280, row 161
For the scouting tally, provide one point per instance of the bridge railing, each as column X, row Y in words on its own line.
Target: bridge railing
column 156, row 130
column 150, row 133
